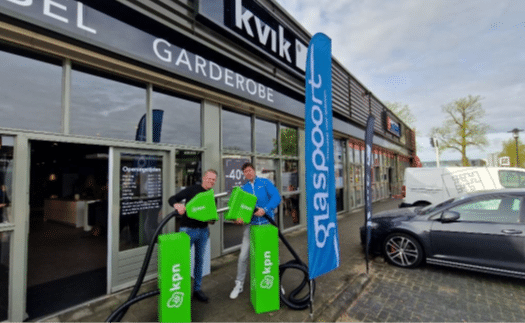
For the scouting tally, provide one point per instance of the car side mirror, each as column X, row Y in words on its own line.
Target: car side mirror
column 449, row 216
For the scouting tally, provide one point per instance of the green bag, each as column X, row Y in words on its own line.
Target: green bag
column 264, row 268
column 174, row 277
column 242, row 205
column 202, row 207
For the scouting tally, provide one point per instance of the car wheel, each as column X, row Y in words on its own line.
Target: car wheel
column 402, row 250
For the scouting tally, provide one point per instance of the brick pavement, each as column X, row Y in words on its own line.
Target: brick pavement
column 436, row 294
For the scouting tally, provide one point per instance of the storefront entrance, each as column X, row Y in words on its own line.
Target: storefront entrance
column 67, row 245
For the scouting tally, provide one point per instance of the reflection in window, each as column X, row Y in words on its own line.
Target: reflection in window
column 503, row 210
column 236, row 131
column 290, row 176
column 6, row 178
column 31, row 94
column 289, row 141
column 512, row 179
column 102, row 107
column 181, row 122
column 188, row 169
column 5, row 246
column 291, row 216
column 267, row 168
column 140, row 199
column 265, row 137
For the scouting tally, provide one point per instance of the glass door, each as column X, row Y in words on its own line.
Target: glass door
column 137, row 193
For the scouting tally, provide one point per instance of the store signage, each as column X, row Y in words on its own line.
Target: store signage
column 323, row 238
column 257, row 26
column 393, row 127
column 170, row 52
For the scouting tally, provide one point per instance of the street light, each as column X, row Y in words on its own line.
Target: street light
column 516, row 135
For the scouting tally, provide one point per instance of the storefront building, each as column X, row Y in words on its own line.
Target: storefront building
column 107, row 108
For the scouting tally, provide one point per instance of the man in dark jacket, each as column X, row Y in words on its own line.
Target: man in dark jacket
column 197, row 230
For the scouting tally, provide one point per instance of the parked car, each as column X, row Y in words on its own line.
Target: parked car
column 424, row 186
column 482, row 231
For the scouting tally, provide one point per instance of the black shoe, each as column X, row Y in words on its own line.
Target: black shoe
column 200, row 296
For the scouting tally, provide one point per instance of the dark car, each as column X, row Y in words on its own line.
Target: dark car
column 482, row 231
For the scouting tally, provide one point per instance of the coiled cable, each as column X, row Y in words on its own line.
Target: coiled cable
column 291, row 301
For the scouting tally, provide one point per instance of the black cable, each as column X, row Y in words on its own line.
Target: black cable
column 292, row 302
column 125, row 306
column 143, row 270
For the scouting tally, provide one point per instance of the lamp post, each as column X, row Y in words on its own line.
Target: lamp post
column 516, row 135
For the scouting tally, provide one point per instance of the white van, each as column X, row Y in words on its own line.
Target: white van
column 424, row 186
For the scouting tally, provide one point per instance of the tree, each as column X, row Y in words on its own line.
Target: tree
column 463, row 127
column 509, row 150
column 402, row 112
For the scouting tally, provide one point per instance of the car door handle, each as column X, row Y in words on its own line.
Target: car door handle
column 511, row 231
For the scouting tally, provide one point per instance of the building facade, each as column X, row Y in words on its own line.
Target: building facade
column 109, row 107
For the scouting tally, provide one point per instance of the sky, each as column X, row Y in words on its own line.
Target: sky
column 429, row 53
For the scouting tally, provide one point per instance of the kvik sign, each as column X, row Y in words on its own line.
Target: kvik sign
column 253, row 23
column 171, row 53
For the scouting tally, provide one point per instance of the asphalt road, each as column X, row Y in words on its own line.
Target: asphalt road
column 432, row 293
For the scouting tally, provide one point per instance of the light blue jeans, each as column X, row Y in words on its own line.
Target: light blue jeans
column 199, row 237
column 244, row 256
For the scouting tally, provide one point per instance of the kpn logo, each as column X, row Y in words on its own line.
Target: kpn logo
column 198, row 208
column 177, row 298
column 267, row 281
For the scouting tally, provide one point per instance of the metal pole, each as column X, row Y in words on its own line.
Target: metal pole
column 517, row 155
column 437, row 155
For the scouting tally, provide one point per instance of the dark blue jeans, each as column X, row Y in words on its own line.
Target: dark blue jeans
column 199, row 237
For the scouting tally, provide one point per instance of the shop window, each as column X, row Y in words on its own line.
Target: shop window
column 141, row 199
column 265, row 137
column 188, row 169
column 233, row 177
column 180, row 122
column 289, row 141
column 291, row 210
column 267, row 168
column 236, row 131
column 5, row 246
column 31, row 92
column 103, row 107
column 6, row 178
column 290, row 176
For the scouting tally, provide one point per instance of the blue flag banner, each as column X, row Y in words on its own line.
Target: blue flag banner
column 369, row 135
column 323, row 238
column 157, row 126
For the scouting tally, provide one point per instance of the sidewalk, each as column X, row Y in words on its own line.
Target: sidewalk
column 335, row 291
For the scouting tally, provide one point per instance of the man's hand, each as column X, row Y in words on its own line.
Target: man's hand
column 259, row 212
column 238, row 221
column 211, row 222
column 180, row 208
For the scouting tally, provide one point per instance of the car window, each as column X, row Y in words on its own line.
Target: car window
column 432, row 207
column 501, row 210
column 512, row 179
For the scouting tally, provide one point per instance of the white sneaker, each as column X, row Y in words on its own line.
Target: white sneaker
column 236, row 290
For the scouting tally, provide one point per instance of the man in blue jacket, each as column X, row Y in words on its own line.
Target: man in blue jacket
column 268, row 198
